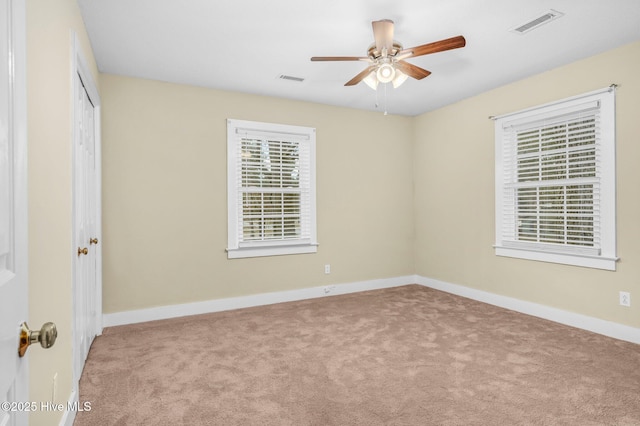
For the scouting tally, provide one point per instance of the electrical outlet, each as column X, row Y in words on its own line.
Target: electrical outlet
column 625, row 298
column 327, row 269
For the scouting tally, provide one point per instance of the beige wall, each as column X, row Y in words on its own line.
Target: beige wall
column 164, row 195
column 49, row 26
column 454, row 200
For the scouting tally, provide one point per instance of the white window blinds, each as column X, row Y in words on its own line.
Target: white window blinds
column 555, row 163
column 271, row 188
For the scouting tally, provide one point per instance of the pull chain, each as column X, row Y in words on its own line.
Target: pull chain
column 385, row 98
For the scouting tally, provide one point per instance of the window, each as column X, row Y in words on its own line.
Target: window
column 271, row 189
column 555, row 182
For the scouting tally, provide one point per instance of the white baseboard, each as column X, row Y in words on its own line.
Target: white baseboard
column 69, row 415
column 595, row 325
column 218, row 305
column 607, row 328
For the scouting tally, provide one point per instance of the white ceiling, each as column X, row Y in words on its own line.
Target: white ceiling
column 245, row 45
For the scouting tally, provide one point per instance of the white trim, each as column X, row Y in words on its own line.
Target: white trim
column 584, row 322
column 236, row 248
column 597, row 262
column 274, row 250
column 554, row 104
column 219, row 305
column 68, row 417
column 506, row 239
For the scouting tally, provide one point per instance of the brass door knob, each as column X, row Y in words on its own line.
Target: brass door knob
column 84, row 251
column 46, row 336
column 93, row 241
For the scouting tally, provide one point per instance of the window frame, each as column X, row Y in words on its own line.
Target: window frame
column 236, row 246
column 605, row 174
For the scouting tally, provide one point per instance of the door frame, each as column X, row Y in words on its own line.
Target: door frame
column 80, row 68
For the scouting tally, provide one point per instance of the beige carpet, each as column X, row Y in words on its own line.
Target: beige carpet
column 401, row 356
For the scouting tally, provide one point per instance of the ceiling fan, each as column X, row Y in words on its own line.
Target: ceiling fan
column 386, row 57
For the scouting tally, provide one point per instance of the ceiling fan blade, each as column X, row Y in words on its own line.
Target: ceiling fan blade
column 358, row 78
column 412, row 70
column 438, row 46
column 383, row 34
column 339, row 58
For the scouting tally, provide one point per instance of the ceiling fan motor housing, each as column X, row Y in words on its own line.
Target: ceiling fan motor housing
column 374, row 53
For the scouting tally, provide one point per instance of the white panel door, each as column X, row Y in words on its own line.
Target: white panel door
column 86, row 228
column 13, row 213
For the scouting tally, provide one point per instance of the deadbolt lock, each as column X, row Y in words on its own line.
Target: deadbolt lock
column 46, row 336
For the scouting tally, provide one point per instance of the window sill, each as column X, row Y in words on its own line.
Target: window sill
column 280, row 250
column 596, row 262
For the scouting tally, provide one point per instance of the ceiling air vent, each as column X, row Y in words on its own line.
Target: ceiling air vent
column 536, row 22
column 291, row 78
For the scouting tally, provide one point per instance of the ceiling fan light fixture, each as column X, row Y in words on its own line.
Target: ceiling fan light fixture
column 371, row 80
column 399, row 79
column 385, row 73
